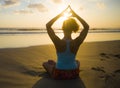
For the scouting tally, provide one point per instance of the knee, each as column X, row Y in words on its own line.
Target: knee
column 44, row 63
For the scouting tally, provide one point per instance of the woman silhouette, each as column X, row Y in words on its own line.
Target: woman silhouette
column 66, row 66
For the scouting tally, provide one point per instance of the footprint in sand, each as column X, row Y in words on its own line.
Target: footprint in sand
column 99, row 69
column 117, row 56
column 108, row 56
column 104, row 55
column 117, row 71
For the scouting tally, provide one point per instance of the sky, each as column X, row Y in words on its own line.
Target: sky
column 36, row 13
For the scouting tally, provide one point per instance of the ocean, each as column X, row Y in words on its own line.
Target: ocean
column 14, row 38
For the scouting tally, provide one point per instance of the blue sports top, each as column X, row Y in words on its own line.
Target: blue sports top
column 66, row 59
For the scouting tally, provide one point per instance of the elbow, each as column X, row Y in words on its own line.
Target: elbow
column 47, row 25
column 87, row 27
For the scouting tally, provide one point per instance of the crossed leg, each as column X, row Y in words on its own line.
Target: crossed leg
column 49, row 66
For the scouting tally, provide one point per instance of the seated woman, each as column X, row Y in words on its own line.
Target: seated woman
column 66, row 66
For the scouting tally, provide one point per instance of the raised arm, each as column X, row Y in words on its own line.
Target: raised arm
column 50, row 31
column 84, row 32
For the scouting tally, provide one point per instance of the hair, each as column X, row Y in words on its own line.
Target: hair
column 70, row 25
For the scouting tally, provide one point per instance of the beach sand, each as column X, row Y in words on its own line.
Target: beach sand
column 99, row 66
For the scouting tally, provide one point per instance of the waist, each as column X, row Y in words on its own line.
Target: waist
column 66, row 61
column 66, row 65
column 65, row 74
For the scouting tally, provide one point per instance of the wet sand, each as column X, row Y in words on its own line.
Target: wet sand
column 99, row 66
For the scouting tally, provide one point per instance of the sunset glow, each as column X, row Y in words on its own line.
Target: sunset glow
column 65, row 15
column 36, row 13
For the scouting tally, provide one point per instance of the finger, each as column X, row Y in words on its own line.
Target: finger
column 69, row 6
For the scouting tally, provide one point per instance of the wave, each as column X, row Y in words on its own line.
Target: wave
column 40, row 31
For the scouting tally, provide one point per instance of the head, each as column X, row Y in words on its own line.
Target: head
column 70, row 25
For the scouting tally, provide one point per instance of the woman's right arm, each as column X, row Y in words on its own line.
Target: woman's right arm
column 84, row 32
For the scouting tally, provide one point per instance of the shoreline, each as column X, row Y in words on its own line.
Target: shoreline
column 22, row 67
column 51, row 44
column 11, row 41
column 20, row 32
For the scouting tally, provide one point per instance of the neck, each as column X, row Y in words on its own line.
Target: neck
column 67, row 37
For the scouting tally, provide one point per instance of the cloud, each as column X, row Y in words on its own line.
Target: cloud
column 101, row 5
column 57, row 1
column 9, row 3
column 40, row 7
column 23, row 11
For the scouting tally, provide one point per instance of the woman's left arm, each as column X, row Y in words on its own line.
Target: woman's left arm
column 50, row 31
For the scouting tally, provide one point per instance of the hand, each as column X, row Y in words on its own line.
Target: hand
column 71, row 10
column 62, row 13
